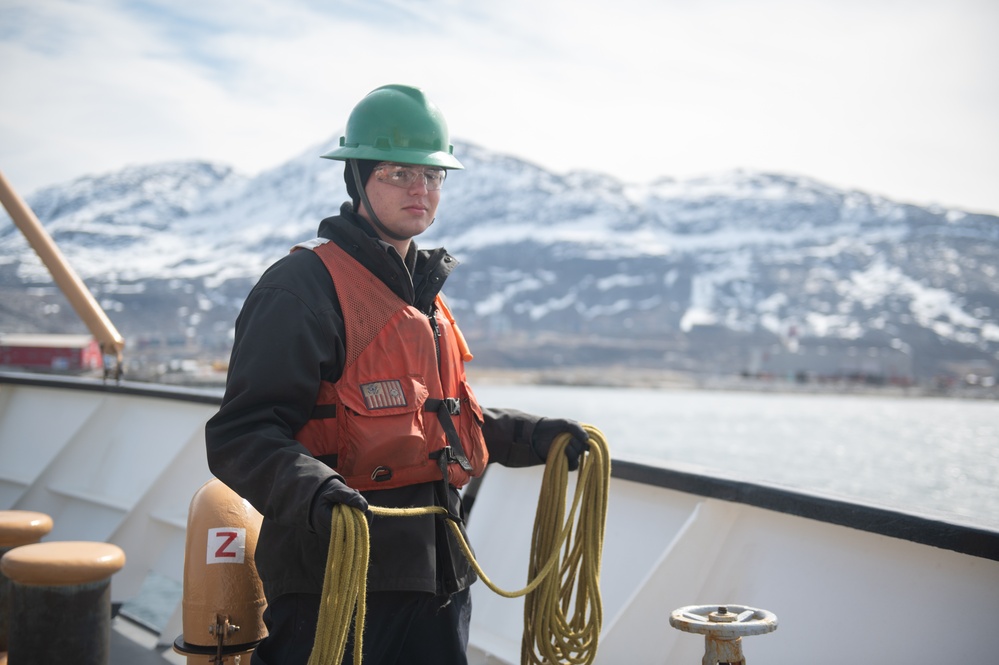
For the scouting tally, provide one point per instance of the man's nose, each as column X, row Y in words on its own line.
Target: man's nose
column 419, row 185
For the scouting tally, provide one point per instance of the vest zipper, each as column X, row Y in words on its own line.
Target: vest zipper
column 437, row 343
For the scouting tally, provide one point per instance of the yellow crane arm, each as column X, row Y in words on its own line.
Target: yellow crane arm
column 79, row 296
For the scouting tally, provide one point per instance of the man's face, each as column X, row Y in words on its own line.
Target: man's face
column 404, row 197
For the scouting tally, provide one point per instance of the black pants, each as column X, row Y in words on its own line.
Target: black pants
column 401, row 628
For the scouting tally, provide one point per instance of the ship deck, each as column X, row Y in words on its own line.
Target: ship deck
column 132, row 644
column 676, row 536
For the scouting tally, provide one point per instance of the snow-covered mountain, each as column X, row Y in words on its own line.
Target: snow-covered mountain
column 739, row 272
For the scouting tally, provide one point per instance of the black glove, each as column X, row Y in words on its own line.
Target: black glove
column 331, row 492
column 547, row 429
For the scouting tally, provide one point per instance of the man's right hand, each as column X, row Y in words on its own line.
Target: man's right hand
column 331, row 492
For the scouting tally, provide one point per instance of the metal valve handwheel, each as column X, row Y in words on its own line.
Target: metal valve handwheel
column 723, row 621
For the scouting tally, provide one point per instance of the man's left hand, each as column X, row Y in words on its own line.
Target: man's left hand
column 548, row 429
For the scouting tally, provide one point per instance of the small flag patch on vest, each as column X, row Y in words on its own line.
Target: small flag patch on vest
column 383, row 394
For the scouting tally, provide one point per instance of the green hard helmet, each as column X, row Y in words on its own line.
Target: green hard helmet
column 397, row 123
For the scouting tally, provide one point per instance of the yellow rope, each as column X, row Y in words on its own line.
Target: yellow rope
column 343, row 590
column 562, row 611
column 563, row 616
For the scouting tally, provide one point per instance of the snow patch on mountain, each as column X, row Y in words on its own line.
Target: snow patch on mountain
column 578, row 254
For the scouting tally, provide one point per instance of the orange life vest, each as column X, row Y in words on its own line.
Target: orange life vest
column 402, row 410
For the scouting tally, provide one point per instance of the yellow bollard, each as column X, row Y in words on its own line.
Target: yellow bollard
column 223, row 597
column 61, row 601
column 17, row 527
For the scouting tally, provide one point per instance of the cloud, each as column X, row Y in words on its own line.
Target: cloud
column 895, row 98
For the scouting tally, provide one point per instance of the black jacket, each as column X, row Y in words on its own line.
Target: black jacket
column 289, row 336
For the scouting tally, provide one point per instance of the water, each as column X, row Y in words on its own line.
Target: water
column 933, row 456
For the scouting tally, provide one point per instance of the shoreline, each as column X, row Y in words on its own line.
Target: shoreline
column 618, row 377
column 213, row 377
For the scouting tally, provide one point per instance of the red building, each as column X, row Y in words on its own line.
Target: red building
column 53, row 353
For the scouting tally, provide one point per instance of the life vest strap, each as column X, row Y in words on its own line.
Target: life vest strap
column 453, row 452
column 442, row 485
column 452, row 404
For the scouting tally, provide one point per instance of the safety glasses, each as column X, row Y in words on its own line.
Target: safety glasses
column 403, row 175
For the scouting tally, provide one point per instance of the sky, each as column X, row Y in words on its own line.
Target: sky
column 898, row 98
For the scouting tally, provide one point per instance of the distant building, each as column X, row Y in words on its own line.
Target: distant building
column 822, row 361
column 50, row 353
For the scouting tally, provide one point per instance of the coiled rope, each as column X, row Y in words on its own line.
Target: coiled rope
column 563, row 613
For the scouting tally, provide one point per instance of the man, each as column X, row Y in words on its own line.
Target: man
column 347, row 385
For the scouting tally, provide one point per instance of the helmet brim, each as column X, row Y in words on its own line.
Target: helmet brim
column 437, row 158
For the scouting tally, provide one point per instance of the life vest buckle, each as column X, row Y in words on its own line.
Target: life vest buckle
column 453, row 405
column 381, row 474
